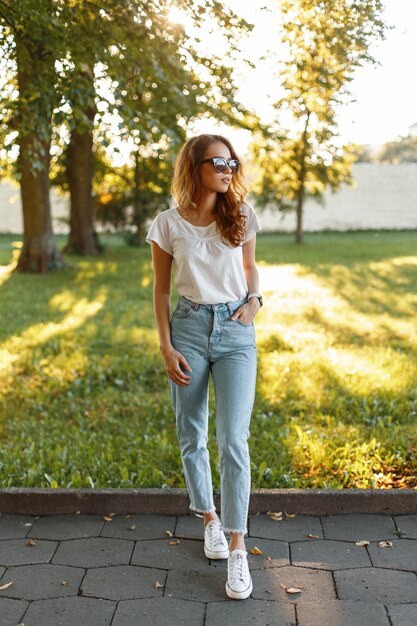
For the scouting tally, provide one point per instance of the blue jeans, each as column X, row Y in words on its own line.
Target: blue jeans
column 211, row 342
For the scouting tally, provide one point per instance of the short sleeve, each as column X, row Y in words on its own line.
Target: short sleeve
column 160, row 233
column 252, row 223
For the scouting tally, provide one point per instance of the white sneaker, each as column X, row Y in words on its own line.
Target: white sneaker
column 215, row 544
column 239, row 580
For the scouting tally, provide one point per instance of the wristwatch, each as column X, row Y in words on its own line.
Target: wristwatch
column 256, row 295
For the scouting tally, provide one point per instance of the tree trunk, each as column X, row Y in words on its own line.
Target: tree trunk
column 139, row 237
column 301, row 185
column 82, row 239
column 35, row 73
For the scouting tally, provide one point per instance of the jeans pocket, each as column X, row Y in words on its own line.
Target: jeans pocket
column 182, row 310
column 244, row 325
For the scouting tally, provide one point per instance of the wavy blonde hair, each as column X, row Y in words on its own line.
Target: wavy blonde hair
column 186, row 188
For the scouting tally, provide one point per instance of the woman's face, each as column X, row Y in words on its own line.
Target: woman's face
column 212, row 181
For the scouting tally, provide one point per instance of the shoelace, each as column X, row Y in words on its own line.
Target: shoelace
column 237, row 566
column 214, row 535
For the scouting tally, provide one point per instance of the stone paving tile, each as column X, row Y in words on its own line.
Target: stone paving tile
column 94, row 552
column 403, row 614
column 408, row 524
column 159, row 611
column 34, row 582
column 376, row 585
column 14, row 526
column 358, row 526
column 328, row 554
column 145, row 527
column 402, row 555
column 341, row 613
column 253, row 612
column 188, row 554
column 203, row 586
column 11, row 611
column 292, row 529
column 190, row 527
column 69, row 612
column 275, row 554
column 123, row 582
column 18, row 552
column 66, row 527
column 124, row 565
column 314, row 583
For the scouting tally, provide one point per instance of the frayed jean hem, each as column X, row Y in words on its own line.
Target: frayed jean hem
column 195, row 510
column 234, row 530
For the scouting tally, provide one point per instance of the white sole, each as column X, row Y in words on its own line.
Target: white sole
column 239, row 595
column 216, row 555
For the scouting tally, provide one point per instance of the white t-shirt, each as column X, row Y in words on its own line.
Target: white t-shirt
column 207, row 271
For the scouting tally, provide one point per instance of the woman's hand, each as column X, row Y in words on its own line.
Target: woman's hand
column 173, row 360
column 246, row 312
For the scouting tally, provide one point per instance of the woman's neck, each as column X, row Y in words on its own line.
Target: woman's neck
column 206, row 204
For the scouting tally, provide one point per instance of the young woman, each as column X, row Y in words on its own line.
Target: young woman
column 209, row 241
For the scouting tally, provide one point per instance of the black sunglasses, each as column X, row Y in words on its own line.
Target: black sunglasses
column 220, row 164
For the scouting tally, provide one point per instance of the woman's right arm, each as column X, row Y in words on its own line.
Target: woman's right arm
column 162, row 266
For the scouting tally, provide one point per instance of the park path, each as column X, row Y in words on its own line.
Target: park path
column 143, row 570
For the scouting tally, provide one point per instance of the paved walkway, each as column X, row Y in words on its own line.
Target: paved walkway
column 142, row 570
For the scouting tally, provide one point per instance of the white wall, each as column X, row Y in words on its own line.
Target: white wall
column 384, row 196
column 11, row 219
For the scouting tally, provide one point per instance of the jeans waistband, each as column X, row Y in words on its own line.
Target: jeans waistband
column 231, row 306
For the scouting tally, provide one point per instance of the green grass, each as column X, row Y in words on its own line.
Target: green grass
column 84, row 399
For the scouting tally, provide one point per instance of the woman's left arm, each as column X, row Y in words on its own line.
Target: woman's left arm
column 247, row 311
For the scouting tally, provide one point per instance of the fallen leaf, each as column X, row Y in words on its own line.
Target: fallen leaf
column 311, row 536
column 158, row 585
column 291, row 589
column 30, row 543
column 361, row 544
column 169, row 533
column 256, row 550
column 107, row 518
column 132, row 527
column 129, row 516
column 275, row 516
column 175, row 542
column 385, row 544
column 64, row 583
column 269, row 558
column 6, row 585
column 290, row 515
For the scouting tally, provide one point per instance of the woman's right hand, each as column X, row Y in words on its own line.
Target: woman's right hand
column 173, row 360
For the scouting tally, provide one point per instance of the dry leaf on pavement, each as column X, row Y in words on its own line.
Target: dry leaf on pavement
column 311, row 536
column 275, row 516
column 256, row 550
column 175, row 542
column 291, row 589
column 6, row 585
column 30, row 543
column 361, row 544
column 169, row 533
column 385, row 544
column 158, row 585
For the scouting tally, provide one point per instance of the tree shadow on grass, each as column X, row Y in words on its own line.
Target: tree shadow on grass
column 86, row 401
